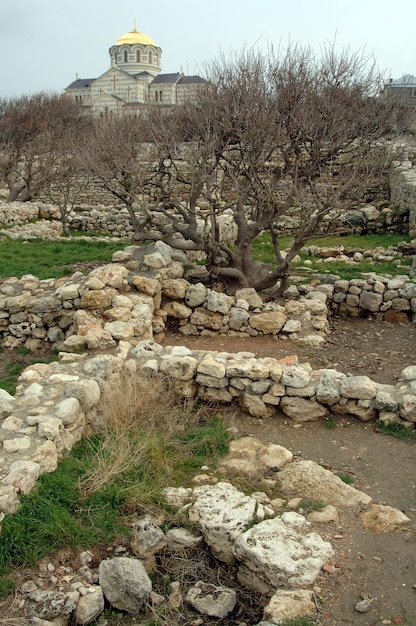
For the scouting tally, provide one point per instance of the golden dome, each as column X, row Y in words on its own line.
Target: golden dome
column 136, row 36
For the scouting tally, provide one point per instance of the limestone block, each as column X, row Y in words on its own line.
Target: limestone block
column 408, row 291
column 97, row 299
column 292, row 326
column 196, row 295
column 49, row 427
column 68, row 291
column 238, row 318
column 280, row 552
column 7, row 403
column 9, row 501
column 327, row 514
column 146, row 285
column 214, row 394
column 251, row 296
column 352, row 407
column 370, row 301
column 86, row 391
column 175, row 288
column 22, row 475
column 328, row 387
column 178, row 310
column 301, row 392
column 44, row 304
column 285, row 605
column 112, row 275
column 212, row 600
column 181, row 368
column 222, row 512
column 206, row 319
column 211, row 367
column 254, row 369
column 296, row 376
column 310, row 480
column 386, row 398
column 409, row 373
column 219, row 302
column 270, row 322
column 147, row 538
column 17, row 444
column 302, row 409
column 89, row 606
column 400, row 304
column 357, row 387
column 93, row 282
column 396, row 283
column 211, row 381
column 47, row 457
column 255, row 406
column 382, row 519
column 118, row 313
column 125, row 583
column 408, row 407
column 259, row 387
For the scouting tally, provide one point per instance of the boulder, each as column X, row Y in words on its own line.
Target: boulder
column 212, row 600
column 280, row 552
column 310, row 480
column 125, row 583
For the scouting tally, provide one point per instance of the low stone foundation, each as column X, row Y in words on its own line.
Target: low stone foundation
column 56, row 404
column 143, row 292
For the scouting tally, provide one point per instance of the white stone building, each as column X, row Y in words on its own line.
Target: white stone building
column 133, row 79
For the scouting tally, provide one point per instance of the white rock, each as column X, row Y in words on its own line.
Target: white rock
column 222, row 512
column 279, row 552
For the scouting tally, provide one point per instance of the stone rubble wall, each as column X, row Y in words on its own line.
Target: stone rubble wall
column 56, row 404
column 113, row 220
column 403, row 190
column 143, row 293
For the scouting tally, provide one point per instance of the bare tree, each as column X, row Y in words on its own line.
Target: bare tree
column 263, row 138
column 26, row 123
column 61, row 172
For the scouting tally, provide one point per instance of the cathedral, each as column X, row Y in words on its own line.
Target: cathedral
column 133, row 79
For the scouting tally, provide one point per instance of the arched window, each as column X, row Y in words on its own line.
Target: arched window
column 149, row 57
column 125, row 56
column 138, row 59
column 115, row 58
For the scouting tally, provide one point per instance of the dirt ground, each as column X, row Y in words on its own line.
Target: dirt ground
column 382, row 567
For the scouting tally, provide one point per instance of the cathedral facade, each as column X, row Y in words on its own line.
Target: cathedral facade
column 133, row 79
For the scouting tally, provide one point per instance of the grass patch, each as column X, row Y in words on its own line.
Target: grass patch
column 307, row 505
column 262, row 250
column 138, row 448
column 16, row 362
column 51, row 259
column 300, row 621
column 397, row 430
column 346, row 478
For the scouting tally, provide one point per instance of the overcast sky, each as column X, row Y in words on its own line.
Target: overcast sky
column 45, row 43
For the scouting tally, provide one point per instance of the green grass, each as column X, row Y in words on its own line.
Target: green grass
column 263, row 252
column 12, row 370
column 51, row 259
column 300, row 621
column 395, row 429
column 346, row 478
column 63, row 511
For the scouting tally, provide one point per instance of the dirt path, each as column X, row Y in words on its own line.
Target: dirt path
column 380, row 566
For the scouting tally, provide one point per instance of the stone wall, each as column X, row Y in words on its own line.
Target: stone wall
column 56, row 403
column 144, row 292
column 403, row 190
